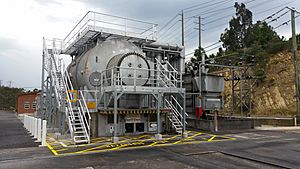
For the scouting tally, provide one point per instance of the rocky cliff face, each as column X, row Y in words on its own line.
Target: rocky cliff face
column 274, row 95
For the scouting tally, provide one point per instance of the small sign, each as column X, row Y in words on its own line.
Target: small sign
column 133, row 118
column 153, row 126
column 72, row 96
column 91, row 105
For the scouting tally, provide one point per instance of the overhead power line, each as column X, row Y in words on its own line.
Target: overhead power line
column 199, row 5
column 276, row 19
column 217, row 3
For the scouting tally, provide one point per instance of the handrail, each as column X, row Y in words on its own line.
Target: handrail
column 90, row 19
column 170, row 104
column 174, row 110
column 178, row 104
column 85, row 104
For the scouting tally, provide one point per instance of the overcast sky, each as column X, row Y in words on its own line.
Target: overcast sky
column 25, row 22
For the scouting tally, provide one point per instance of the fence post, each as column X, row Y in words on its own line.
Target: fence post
column 25, row 122
column 39, row 127
column 44, row 133
column 35, row 127
column 31, row 126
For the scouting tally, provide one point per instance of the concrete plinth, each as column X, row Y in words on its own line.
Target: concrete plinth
column 115, row 139
column 158, row 137
column 184, row 135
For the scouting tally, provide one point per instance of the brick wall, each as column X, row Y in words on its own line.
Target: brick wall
column 28, row 99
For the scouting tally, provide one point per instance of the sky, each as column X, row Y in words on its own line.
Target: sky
column 26, row 22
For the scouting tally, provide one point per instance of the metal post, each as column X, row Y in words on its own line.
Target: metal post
column 41, row 111
column 182, row 29
column 241, row 92
column 39, row 129
column 44, row 132
column 115, row 138
column 294, row 51
column 250, row 91
column 35, row 128
column 158, row 113
column 216, row 120
column 232, row 91
column 184, row 134
column 158, row 136
column 200, row 46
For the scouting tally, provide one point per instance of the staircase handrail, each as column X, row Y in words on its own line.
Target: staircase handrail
column 84, row 107
column 178, row 104
column 174, row 110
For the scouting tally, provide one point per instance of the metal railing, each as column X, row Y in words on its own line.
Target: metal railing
column 91, row 20
column 114, row 77
column 86, row 117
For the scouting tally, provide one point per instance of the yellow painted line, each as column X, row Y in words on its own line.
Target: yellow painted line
column 105, row 145
column 188, row 138
column 52, row 150
column 209, row 140
column 137, row 147
column 62, row 149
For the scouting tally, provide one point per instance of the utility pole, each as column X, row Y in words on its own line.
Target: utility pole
column 295, row 59
column 182, row 28
column 200, row 43
column 0, row 83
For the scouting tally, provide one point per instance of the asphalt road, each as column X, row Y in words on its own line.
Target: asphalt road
column 12, row 132
column 251, row 149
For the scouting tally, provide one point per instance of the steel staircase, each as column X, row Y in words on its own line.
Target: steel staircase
column 167, row 74
column 176, row 114
column 71, row 101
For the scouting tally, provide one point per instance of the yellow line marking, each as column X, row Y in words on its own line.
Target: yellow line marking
column 101, row 146
column 137, row 147
column 188, row 138
column 53, row 151
column 209, row 140
column 62, row 149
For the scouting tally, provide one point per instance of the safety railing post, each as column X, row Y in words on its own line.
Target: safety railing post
column 34, row 127
column 25, row 122
column 39, row 130
column 44, row 133
column 31, row 126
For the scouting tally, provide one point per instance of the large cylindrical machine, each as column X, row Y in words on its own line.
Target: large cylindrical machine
column 85, row 70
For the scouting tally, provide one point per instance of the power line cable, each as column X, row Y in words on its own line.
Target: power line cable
column 276, row 19
column 198, row 5
column 170, row 21
column 220, row 2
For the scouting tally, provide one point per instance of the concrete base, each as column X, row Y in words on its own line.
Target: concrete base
column 184, row 135
column 158, row 137
column 115, row 139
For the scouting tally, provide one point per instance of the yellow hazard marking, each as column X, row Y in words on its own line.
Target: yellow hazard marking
column 52, row 150
column 141, row 141
column 62, row 149
column 209, row 140
column 188, row 138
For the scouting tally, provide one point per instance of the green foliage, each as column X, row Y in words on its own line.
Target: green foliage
column 196, row 59
column 8, row 97
column 239, row 26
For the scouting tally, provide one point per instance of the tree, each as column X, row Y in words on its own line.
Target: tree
column 8, row 97
column 198, row 57
column 234, row 37
column 261, row 34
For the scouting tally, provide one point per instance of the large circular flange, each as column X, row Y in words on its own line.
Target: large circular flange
column 95, row 79
column 134, row 67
